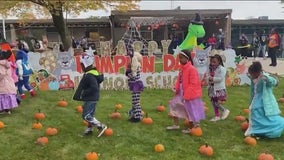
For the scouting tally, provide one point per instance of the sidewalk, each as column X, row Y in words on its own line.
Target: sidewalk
column 279, row 69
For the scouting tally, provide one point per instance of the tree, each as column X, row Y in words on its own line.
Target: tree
column 57, row 8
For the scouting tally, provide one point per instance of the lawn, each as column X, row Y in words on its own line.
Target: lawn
column 129, row 141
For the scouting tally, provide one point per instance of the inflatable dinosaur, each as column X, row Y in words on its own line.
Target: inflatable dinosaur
column 195, row 30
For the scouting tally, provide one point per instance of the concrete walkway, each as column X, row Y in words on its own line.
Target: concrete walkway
column 279, row 69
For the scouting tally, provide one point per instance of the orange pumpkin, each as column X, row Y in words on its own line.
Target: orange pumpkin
column 37, row 125
column 246, row 110
column 147, row 120
column 51, row 131
column 188, row 123
column 265, row 156
column 42, row 140
column 159, row 148
column 62, row 103
column 85, row 123
column 206, row 150
column 281, row 100
column 115, row 115
column 92, row 156
column 118, row 106
column 2, row 125
column 108, row 132
column 240, row 118
column 196, row 131
column 250, row 141
column 79, row 109
column 245, row 125
column 160, row 108
column 39, row 115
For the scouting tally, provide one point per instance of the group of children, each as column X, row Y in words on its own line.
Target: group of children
column 265, row 119
column 14, row 74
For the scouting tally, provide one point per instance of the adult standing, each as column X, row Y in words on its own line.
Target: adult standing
column 256, row 45
column 221, row 40
column 263, row 41
column 273, row 46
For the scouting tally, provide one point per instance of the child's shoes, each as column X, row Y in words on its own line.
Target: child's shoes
column 186, row 131
column 102, row 128
column 216, row 118
column 225, row 114
column 32, row 93
column 173, row 127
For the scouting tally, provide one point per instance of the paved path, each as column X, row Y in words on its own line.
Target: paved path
column 279, row 69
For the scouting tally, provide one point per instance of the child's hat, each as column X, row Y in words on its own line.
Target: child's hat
column 87, row 60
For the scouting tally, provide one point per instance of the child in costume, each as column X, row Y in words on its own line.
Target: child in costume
column 264, row 117
column 135, row 86
column 188, row 85
column 23, row 71
column 88, row 91
column 216, row 87
column 8, row 89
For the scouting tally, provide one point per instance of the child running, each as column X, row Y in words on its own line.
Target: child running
column 188, row 85
column 217, row 87
column 88, row 91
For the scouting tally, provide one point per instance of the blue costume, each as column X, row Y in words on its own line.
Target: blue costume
column 23, row 71
column 264, row 119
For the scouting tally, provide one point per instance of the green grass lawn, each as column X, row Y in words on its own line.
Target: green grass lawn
column 129, row 141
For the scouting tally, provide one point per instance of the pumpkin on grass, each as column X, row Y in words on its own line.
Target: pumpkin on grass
column 250, row 141
column 42, row 140
column 39, row 115
column 245, row 125
column 37, row 125
column 85, row 123
column 115, row 115
column 79, row 109
column 108, row 132
column 51, row 131
column 92, row 156
column 246, row 110
column 240, row 118
column 159, row 148
column 160, row 108
column 196, row 131
column 2, row 125
column 118, row 106
column 206, row 150
column 265, row 156
column 147, row 120
column 62, row 103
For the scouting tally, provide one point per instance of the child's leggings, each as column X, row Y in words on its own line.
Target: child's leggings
column 217, row 106
column 136, row 111
column 24, row 82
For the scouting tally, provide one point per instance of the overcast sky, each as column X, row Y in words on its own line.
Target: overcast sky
column 240, row 9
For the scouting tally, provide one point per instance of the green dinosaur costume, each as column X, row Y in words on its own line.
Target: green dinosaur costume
column 195, row 30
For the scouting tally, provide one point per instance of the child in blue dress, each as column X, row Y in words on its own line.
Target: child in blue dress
column 264, row 117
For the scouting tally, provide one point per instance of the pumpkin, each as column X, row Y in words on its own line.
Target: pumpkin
column 245, row 125
column 51, row 131
column 160, row 108
column 42, row 140
column 196, row 131
column 246, row 110
column 147, row 120
column 240, row 118
column 79, row 109
column 265, row 156
column 188, row 123
column 62, row 103
column 108, row 132
column 250, row 141
column 118, row 106
column 2, row 125
column 39, row 115
column 206, row 150
column 281, row 100
column 85, row 123
column 159, row 148
column 92, row 156
column 37, row 125
column 115, row 115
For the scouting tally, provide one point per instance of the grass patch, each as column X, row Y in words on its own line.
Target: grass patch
column 129, row 141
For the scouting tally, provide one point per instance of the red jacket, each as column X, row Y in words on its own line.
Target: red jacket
column 190, row 81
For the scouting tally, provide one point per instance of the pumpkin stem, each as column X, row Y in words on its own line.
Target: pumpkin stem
column 206, row 144
column 247, row 120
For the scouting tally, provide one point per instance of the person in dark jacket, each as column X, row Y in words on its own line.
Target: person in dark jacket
column 88, row 91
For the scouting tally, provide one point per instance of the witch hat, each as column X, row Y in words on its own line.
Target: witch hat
column 197, row 19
